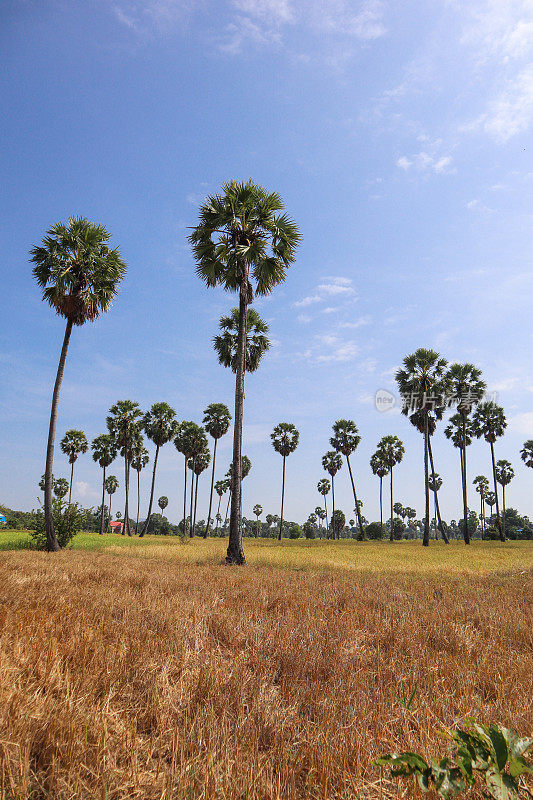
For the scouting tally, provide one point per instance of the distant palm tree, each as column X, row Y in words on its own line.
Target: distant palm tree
column 379, row 467
column 332, row 463
column 123, row 423
column 526, row 453
column 489, row 422
column 285, row 440
column 42, row 483
column 220, row 488
column 104, row 453
column 61, row 487
column 482, row 487
column 467, row 388
column 111, row 486
column 424, row 387
column 323, row 487
column 345, row 440
column 79, row 276
column 258, row 510
column 140, row 459
column 72, row 444
column 160, row 426
column 435, row 483
column 391, row 451
column 162, row 503
column 490, row 499
column 504, row 476
column 190, row 440
column 226, row 343
column 459, row 431
column 242, row 239
column 197, row 465
column 216, row 422
column 321, row 515
column 246, row 466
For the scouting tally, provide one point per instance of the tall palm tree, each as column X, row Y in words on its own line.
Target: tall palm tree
column 424, row 386
column 220, row 488
column 418, row 419
column 467, row 388
column 160, row 425
column 189, row 442
column 459, row 431
column 482, row 487
column 197, row 465
column 321, row 515
column 226, row 343
column 323, row 487
column 216, row 422
column 79, row 275
column 380, row 468
column 526, row 453
column 285, row 440
column 140, row 459
column 332, row 463
column 258, row 510
column 244, row 244
column 123, row 423
column 390, row 450
column 504, row 476
column 490, row 499
column 489, row 422
column 345, row 440
column 435, row 483
column 104, row 453
column 111, row 486
column 72, row 444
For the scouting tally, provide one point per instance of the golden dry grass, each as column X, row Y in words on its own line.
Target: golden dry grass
column 123, row 677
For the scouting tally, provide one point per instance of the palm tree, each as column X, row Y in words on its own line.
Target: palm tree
column 321, row 515
column 42, row 483
column 459, row 431
column 124, row 425
column 160, row 425
column 467, row 388
column 220, row 488
column 424, row 387
column 323, row 487
column 190, row 440
column 435, row 483
column 285, row 440
column 410, row 513
column 242, row 240
column 216, row 422
column 104, row 453
column 482, row 487
column 504, row 476
column 380, row 468
column 390, row 451
column 72, row 444
column 226, row 343
column 246, row 466
column 332, row 463
column 345, row 440
column 111, row 486
column 490, row 499
column 258, row 510
column 140, row 459
column 197, row 465
column 79, row 276
column 489, row 422
column 61, row 487
column 526, row 453
column 162, row 503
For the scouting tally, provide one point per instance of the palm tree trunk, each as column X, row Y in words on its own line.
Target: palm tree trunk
column 138, row 502
column 235, row 552
column 71, row 477
column 498, row 520
column 195, row 504
column 103, row 507
column 326, row 510
column 333, row 501
column 437, row 509
column 147, row 522
column 185, row 500
column 381, row 504
column 52, row 545
column 357, row 509
column 191, row 532
column 391, row 510
column 211, row 494
column 466, row 532
column 503, row 504
column 218, row 513
column 282, row 499
column 425, row 540
column 227, row 509
column 110, row 496
column 126, row 525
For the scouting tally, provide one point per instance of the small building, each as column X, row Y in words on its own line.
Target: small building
column 116, row 526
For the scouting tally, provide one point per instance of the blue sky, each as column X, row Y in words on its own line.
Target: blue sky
column 399, row 136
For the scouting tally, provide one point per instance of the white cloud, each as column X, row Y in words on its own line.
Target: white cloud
column 424, row 161
column 307, row 301
column 359, row 323
column 83, row 490
column 522, row 423
column 511, row 112
column 303, row 319
column 335, row 289
column 336, row 286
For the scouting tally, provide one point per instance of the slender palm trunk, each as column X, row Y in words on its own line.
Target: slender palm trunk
column 185, row 500
column 138, row 502
column 195, row 504
column 381, row 504
column 110, row 496
column 357, row 509
column 282, row 499
column 126, row 525
column 481, row 515
column 147, row 522
column 103, row 507
column 71, row 477
column 326, row 510
column 498, row 520
column 235, row 552
column 437, row 509
column 206, row 532
column 218, row 513
column 391, row 510
column 425, row 540
column 192, row 497
column 333, row 502
column 227, row 510
column 257, row 529
column 52, row 545
column 503, row 508
column 466, row 532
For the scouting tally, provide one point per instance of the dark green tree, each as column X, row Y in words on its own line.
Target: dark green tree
column 482, row 487
column 226, row 343
column 323, row 487
column 285, row 440
column 160, row 426
column 61, row 487
column 390, row 451
column 338, row 522
column 111, row 486
column 504, row 476
column 258, row 510
column 216, row 422
column 72, row 444
column 104, row 453
column 490, row 423
column 345, row 440
column 332, row 463
column 124, row 424
column 197, row 465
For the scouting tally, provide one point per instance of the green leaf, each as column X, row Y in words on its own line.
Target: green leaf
column 501, row 786
column 499, row 745
column 519, row 766
column 403, row 763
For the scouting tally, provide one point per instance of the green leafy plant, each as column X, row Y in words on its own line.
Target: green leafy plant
column 490, row 755
column 67, row 523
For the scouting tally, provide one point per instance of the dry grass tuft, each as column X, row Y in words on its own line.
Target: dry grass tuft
column 129, row 678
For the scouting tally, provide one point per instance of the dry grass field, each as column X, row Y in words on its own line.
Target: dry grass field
column 152, row 671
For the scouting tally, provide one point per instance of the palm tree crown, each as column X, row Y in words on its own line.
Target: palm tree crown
column 390, row 451
column 466, row 386
column 217, row 420
column 489, row 421
column 332, row 462
column 285, row 438
column 159, row 423
column 345, row 437
column 504, row 472
column 459, row 431
column 378, row 465
column 256, row 344
column 77, row 271
column 526, row 453
column 104, row 449
column 73, row 443
column 323, row 486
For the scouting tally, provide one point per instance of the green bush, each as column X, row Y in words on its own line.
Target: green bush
column 373, row 531
column 67, row 523
column 295, row 531
column 309, row 530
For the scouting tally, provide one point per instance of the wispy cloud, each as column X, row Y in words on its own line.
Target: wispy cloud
column 511, row 112
column 332, row 286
